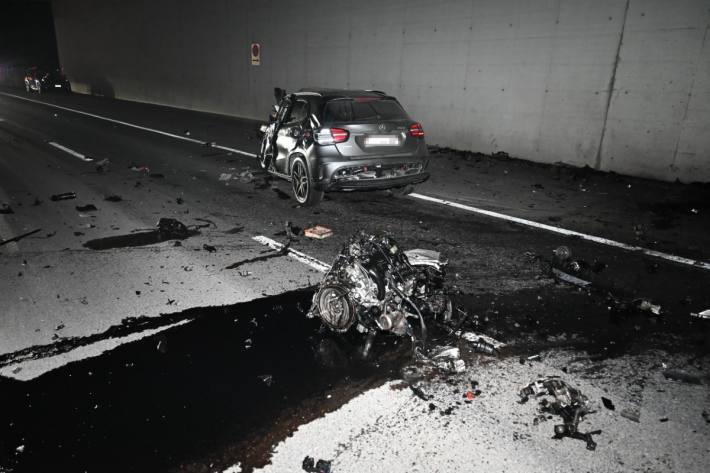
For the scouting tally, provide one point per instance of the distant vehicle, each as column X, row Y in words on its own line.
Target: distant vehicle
column 40, row 80
column 324, row 140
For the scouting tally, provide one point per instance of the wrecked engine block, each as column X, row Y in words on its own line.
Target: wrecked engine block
column 375, row 285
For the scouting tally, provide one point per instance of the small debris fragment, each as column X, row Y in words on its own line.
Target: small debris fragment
column 179, row 201
column 143, row 168
column 608, row 404
column 702, row 315
column 20, row 449
column 311, row 466
column 706, row 416
column 63, row 196
column 170, row 302
column 113, row 198
column 569, row 403
column 663, row 419
column 86, row 208
column 267, row 379
column 646, row 306
column 6, row 209
column 419, row 393
column 225, row 176
column 209, row 248
column 318, row 232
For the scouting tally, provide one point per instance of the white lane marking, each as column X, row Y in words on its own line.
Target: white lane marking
column 132, row 125
column 31, row 368
column 564, row 231
column 314, row 263
column 70, row 151
column 522, row 221
column 234, row 150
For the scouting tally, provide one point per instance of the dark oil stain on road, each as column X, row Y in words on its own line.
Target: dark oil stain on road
column 237, row 380
column 221, row 389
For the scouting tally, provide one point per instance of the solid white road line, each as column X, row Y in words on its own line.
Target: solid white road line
column 489, row 213
column 132, row 125
column 70, row 151
column 314, row 263
column 563, row 231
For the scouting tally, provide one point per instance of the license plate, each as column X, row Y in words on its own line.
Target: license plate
column 58, row 86
column 382, row 140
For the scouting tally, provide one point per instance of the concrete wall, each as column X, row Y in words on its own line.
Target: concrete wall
column 621, row 85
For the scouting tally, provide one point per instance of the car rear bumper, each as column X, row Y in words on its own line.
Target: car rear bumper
column 371, row 175
column 378, row 183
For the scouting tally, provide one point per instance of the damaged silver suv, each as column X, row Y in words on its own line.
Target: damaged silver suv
column 324, row 140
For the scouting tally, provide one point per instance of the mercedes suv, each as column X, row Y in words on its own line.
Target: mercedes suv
column 324, row 140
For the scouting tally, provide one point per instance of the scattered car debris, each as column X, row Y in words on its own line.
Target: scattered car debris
column 113, row 198
column 705, row 314
column 6, row 209
column 225, row 176
column 19, row 237
column 63, row 196
column 209, row 248
column 419, row 393
column 374, row 285
column 631, row 414
column 448, row 359
column 569, row 403
column 267, row 379
column 646, row 306
column 86, row 208
column 318, row 232
column 680, row 375
column 311, row 466
column 179, row 201
column 568, row 278
column 486, row 343
column 608, row 404
column 143, row 168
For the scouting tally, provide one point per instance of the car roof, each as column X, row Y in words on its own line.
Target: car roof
column 329, row 94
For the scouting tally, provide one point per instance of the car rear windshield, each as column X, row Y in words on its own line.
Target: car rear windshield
column 346, row 110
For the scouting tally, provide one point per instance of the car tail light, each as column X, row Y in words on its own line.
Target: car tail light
column 416, row 130
column 329, row 136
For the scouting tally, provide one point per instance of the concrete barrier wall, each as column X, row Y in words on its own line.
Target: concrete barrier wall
column 619, row 85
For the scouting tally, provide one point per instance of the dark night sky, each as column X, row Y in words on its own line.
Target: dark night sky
column 27, row 33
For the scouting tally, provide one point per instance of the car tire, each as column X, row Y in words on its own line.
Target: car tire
column 302, row 184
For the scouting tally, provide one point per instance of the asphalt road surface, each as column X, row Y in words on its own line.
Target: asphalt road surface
column 119, row 347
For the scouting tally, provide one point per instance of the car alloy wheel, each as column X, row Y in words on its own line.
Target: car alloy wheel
column 299, row 177
column 302, row 185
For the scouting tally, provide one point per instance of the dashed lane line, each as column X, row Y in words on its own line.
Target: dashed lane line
column 76, row 154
